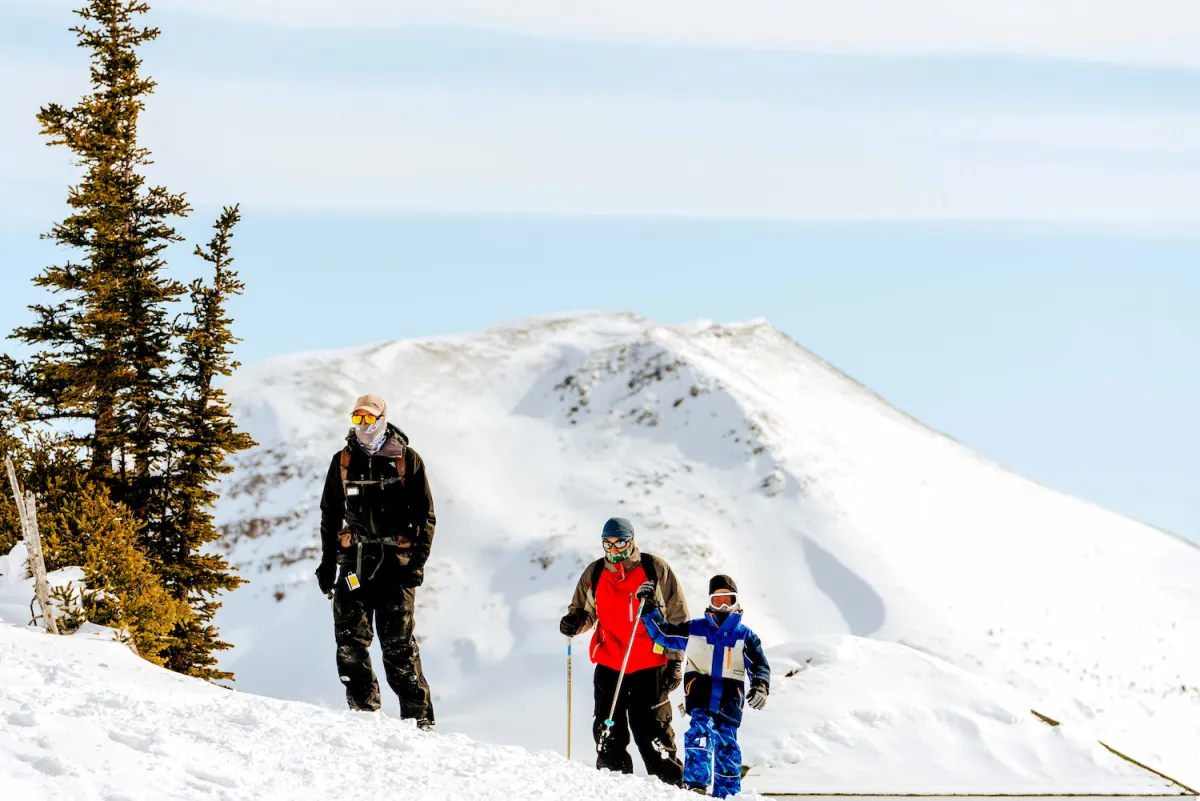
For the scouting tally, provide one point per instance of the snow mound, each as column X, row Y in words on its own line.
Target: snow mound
column 83, row 717
column 884, row 718
column 82, row 720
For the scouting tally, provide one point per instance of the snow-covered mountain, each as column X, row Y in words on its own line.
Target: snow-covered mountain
column 733, row 450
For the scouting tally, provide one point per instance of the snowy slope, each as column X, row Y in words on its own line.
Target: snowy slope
column 733, row 450
column 82, row 718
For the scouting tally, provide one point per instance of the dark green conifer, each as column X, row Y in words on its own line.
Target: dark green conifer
column 205, row 436
column 129, row 486
column 102, row 351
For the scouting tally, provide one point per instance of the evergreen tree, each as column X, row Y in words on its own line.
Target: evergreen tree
column 12, row 445
column 206, row 436
column 81, row 525
column 10, row 521
column 147, row 432
column 102, row 352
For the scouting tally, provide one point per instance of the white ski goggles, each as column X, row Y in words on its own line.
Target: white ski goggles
column 722, row 598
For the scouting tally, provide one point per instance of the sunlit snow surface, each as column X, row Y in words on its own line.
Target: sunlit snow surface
column 733, row 450
column 939, row 597
column 88, row 721
column 83, row 718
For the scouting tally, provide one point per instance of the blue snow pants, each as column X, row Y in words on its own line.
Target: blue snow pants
column 706, row 741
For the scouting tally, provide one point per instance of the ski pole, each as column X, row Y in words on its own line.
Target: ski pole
column 569, row 639
column 608, row 724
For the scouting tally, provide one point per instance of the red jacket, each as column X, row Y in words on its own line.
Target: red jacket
column 612, row 606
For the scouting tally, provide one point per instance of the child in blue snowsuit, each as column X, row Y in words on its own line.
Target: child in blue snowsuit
column 720, row 653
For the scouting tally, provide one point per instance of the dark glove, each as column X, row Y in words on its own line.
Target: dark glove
column 757, row 698
column 646, row 592
column 412, row 577
column 326, row 576
column 646, row 595
column 572, row 622
column 672, row 675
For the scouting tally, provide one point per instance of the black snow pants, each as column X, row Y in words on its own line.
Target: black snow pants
column 643, row 707
column 389, row 607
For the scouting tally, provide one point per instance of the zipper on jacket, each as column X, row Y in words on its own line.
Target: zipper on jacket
column 371, row 507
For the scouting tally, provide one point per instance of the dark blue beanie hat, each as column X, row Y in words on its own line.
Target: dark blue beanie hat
column 617, row 528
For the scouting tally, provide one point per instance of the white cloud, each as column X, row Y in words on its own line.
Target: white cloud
column 384, row 150
column 1149, row 31
column 351, row 149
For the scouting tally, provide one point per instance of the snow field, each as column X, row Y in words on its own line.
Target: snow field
column 864, row 716
column 86, row 719
column 83, row 720
column 938, row 596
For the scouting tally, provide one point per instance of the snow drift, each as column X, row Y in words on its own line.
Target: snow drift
column 81, row 717
column 82, row 720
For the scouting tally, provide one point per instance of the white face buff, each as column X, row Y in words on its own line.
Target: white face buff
column 372, row 435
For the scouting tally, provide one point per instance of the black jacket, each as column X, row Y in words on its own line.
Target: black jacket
column 399, row 509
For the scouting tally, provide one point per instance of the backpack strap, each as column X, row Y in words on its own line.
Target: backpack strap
column 651, row 571
column 597, row 572
column 345, row 536
column 649, row 568
column 344, row 461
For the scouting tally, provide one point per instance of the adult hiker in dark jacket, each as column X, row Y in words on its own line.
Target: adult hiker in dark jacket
column 605, row 597
column 377, row 526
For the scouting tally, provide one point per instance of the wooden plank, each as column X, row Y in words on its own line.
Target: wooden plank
column 27, row 512
column 1187, row 790
column 17, row 496
column 40, row 585
column 1133, row 761
column 1049, row 721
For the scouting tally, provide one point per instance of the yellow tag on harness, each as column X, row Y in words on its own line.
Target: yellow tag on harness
column 352, row 581
column 658, row 649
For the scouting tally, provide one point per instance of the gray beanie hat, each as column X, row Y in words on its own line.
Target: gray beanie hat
column 617, row 528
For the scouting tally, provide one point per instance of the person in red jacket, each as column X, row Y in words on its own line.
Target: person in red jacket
column 606, row 597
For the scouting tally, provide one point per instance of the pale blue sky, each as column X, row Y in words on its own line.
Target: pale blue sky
column 997, row 229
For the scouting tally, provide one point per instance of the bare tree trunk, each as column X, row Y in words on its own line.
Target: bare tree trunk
column 41, row 586
column 27, row 511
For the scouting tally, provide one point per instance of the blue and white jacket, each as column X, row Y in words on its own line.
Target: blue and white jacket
column 716, row 649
